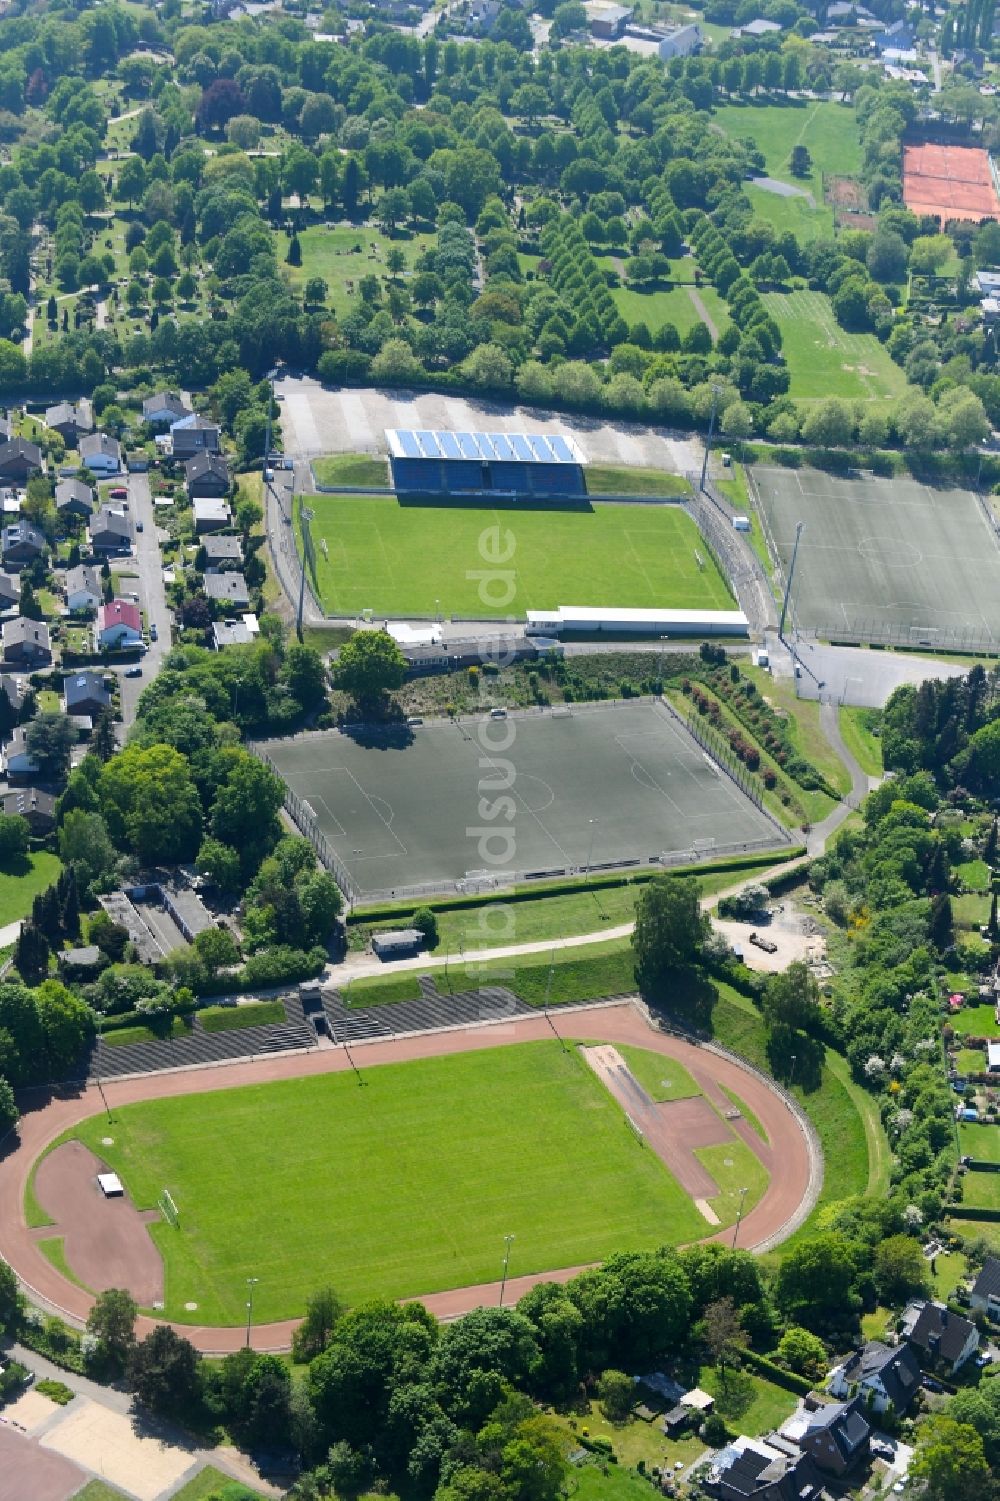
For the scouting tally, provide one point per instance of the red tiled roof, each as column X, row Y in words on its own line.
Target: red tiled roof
column 121, row 612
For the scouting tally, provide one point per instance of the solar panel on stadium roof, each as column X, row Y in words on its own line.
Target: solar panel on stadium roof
column 519, row 443
column 428, row 443
column 468, row 445
column 449, row 447
column 538, row 448
column 561, row 448
column 408, row 443
column 501, row 446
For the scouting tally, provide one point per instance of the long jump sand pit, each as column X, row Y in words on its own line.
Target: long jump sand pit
column 673, row 1129
column 115, row 1447
column 105, row 1241
column 787, row 1197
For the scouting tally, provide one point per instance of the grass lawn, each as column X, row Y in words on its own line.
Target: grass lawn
column 674, row 306
column 603, row 479
column 660, row 1077
column 342, row 256
column 99, row 1490
column 976, row 1021
column 823, row 359
column 856, row 726
column 595, row 1481
column 981, row 1142
column 874, row 1325
column 123, row 1037
column 633, row 1441
column 53, row 1248
column 21, row 881
column 950, row 1272
column 828, row 131
column 745, row 1111
column 734, row 1167
column 981, row 1190
column 358, row 470
column 987, row 1230
column 365, row 550
column 971, row 1061
column 395, row 1189
column 803, row 719
column 382, row 990
column 975, row 874
column 233, row 1018
column 206, row 1483
column 734, row 488
column 806, row 218
column 749, row 1403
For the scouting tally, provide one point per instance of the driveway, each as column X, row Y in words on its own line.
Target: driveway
column 147, row 566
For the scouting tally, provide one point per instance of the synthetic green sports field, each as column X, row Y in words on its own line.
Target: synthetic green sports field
column 405, row 1186
column 418, row 560
column 823, row 359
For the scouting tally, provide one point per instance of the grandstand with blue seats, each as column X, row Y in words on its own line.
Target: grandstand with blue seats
column 481, row 466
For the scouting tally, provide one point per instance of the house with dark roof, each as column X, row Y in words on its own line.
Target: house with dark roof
column 884, row 1375
column 194, row 434
column 163, row 408
column 37, row 808
column 753, row 1470
column 101, row 453
column 226, row 589
column 941, row 1338
column 17, row 759
column 85, row 693
column 74, row 498
column 10, row 591
column 12, row 689
column 26, row 642
column 984, row 1296
column 110, row 531
column 836, row 1436
column 70, row 420
column 221, row 552
column 83, row 588
column 19, row 459
column 207, row 474
column 22, row 544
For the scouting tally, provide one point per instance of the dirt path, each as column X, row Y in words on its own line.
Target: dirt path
column 790, row 1192
column 702, row 312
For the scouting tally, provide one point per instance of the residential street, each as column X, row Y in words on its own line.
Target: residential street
column 148, row 567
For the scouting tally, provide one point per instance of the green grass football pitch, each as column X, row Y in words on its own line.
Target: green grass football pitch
column 374, row 553
column 596, row 786
column 879, row 555
column 405, row 1186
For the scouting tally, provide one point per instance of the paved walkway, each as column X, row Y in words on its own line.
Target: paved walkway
column 703, row 313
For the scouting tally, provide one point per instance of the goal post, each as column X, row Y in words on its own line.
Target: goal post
column 169, row 1210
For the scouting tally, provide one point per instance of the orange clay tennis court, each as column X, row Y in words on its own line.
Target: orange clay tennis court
column 951, row 182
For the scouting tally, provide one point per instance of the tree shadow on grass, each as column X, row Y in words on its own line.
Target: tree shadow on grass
column 684, row 998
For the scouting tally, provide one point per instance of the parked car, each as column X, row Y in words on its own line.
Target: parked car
column 119, row 493
column 153, row 633
column 133, row 672
column 138, row 526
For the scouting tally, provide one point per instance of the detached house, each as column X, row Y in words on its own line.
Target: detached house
column 70, row 421
column 22, row 544
column 85, row 693
column 207, row 474
column 83, row 588
column 119, row 626
column 836, row 1436
column 26, row 642
column 74, row 498
column 228, row 588
column 10, row 592
column 222, row 552
column 754, row 1470
column 193, row 435
column 101, row 454
column 110, row 531
column 19, row 460
column 17, row 758
column 985, row 1294
column 163, row 408
column 884, row 1376
column 942, row 1338
column 37, row 808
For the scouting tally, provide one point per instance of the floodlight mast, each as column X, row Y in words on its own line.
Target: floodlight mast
column 799, row 526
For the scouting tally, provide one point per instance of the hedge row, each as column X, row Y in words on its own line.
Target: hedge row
column 971, row 1212
column 776, row 1373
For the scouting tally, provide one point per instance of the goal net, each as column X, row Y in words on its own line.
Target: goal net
column 169, row 1209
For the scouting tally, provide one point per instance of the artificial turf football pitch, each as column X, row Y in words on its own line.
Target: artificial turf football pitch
column 408, row 559
column 403, row 1187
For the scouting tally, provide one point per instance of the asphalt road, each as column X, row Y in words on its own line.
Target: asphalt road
column 147, row 566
